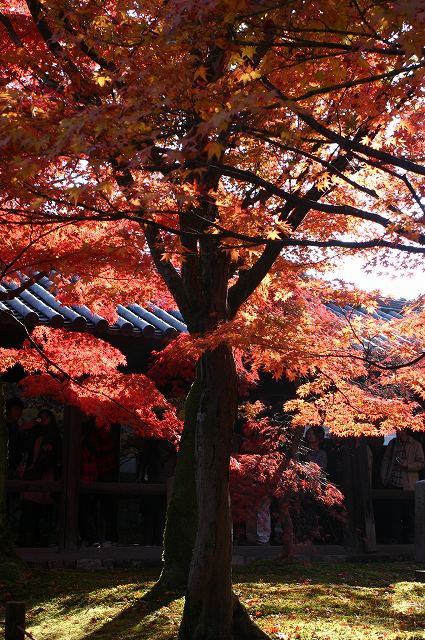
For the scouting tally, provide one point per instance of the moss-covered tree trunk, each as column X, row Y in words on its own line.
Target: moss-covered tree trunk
column 209, row 604
column 180, row 529
column 212, row 611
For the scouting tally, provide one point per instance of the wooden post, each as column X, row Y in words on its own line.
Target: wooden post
column 420, row 521
column 68, row 538
column 365, row 487
column 15, row 621
column 360, row 534
column 351, row 537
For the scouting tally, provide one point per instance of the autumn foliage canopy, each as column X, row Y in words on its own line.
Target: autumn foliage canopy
column 300, row 127
column 297, row 130
column 223, row 156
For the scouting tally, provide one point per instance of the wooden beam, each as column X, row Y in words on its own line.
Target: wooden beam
column 392, row 494
column 123, row 488
column 113, row 488
column 71, row 478
column 37, row 486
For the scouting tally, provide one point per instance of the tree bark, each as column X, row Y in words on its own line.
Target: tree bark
column 180, row 529
column 208, row 606
column 212, row 611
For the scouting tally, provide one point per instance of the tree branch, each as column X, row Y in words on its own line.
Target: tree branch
column 331, row 166
column 71, row 70
column 168, row 273
column 359, row 81
column 68, row 377
column 301, row 43
column 88, row 50
column 343, row 142
column 11, row 30
column 45, row 79
column 304, row 203
column 249, row 279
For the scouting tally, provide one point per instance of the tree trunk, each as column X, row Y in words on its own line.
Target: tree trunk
column 208, row 606
column 212, row 611
column 180, row 529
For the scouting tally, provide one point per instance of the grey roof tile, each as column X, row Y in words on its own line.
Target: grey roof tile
column 38, row 305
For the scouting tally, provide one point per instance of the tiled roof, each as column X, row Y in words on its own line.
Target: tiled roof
column 387, row 310
column 38, row 306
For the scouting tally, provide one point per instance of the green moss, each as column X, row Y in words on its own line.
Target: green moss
column 289, row 601
column 180, row 529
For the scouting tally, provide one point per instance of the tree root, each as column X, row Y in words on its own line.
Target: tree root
column 243, row 627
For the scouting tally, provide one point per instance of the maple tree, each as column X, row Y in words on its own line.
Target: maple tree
column 222, row 156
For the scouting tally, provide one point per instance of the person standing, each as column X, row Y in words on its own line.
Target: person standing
column 314, row 452
column 403, row 460
column 43, row 462
column 19, row 442
column 258, row 524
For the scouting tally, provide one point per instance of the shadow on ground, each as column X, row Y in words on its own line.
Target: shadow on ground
column 113, row 604
column 150, row 614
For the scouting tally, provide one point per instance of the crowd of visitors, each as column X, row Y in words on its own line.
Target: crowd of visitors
column 396, row 466
column 35, row 453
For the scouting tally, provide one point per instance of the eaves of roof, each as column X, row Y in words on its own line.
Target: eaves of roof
column 37, row 305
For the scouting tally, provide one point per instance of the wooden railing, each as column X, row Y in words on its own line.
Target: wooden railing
column 112, row 488
column 69, row 499
column 392, row 494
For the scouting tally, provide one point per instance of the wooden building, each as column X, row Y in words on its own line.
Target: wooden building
column 136, row 332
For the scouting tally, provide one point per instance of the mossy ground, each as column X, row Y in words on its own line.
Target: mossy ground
column 290, row 601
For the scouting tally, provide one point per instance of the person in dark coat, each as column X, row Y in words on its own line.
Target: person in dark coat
column 314, row 451
column 43, row 463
